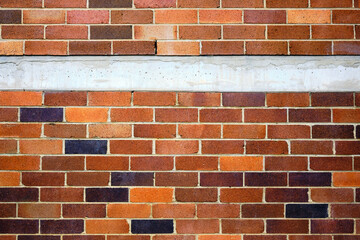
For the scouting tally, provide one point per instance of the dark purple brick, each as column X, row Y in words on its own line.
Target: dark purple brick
column 265, row 179
column 19, row 194
column 286, row 195
column 85, row 147
column 83, row 237
column 243, row 99
column 332, row 99
column 330, row 131
column 358, row 194
column 346, row 237
column 221, row 179
column 310, row 179
column 61, row 226
column 10, row 16
column 152, row 226
column 332, row 226
column 307, row 210
column 110, row 32
column 110, row 4
column 358, row 131
column 41, row 114
column 132, row 179
column 107, row 195
column 19, row 226
column 38, row 237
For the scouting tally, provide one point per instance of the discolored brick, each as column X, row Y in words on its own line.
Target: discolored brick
column 264, row 16
column 131, row 16
column 10, row 16
column 41, row 114
column 309, row 115
column 152, row 226
column 287, row 3
column 243, row 99
column 39, row 210
column 110, row 32
column 85, row 146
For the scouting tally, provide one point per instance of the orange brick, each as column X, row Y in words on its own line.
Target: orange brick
column 109, row 98
column 174, row 210
column 9, row 178
column 197, row 163
column 153, row 32
column 309, row 16
column 107, row 226
column 220, row 16
column 152, row 163
column 332, row 195
column 86, row 114
column 155, row 130
column 107, row 163
column 288, row 99
column 131, row 146
column 129, row 210
column 244, row 131
column 44, row 16
column 8, row 146
column 154, row 98
column 222, row 48
column 39, row 210
column 11, row 48
column 241, row 163
column 151, row 195
column 66, row 32
column 20, row 130
column 87, row 16
column 244, row 32
column 20, row 4
column 177, row 147
column 267, row 48
column 241, row 195
column 199, row 131
column 197, row 226
column 175, row 16
column 65, row 3
column 346, row 179
column 109, row 130
column 20, row 163
column 220, row 237
column 346, row 115
column 131, row 115
column 199, row 99
column 20, row 98
column 131, row 16
column 178, row 48
column 198, row 4
column 45, row 48
column 41, row 146
column 176, row 115
column 218, row 210
column 200, row 32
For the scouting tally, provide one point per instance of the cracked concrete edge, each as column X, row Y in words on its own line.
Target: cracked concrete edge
column 149, row 73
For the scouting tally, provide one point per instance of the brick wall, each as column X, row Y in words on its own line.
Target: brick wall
column 180, row 27
column 184, row 166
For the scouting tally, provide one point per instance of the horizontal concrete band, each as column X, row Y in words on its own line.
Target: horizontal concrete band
column 225, row 74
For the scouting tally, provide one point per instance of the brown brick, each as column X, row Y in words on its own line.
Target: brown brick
column 347, row 147
column 154, row 130
column 199, row 32
column 177, row 146
column 241, row 195
column 242, row 4
column 242, row 226
column 134, row 47
column 46, row 48
column 222, row 48
column 288, row 32
column 62, row 195
column 286, row 195
column 65, row 130
column 222, row 147
column 331, row 3
column 154, row 98
column 243, row 99
column 90, row 48
column 244, row 131
column 220, row 16
column 266, row 147
column 176, row 179
column 266, row 237
column 8, row 114
column 65, row 98
column 176, row 115
column 347, row 48
column 243, row 32
column 131, row 146
column 43, row 179
column 10, row 16
column 332, row 195
column 220, row 115
column 346, row 16
column 196, row 194
column 62, row 163
column 231, row 179
column 218, row 210
column 7, row 210
column 333, row 131
column 110, row 32
column 65, row 3
column 312, row 147
column 22, row 32
column 131, row 115
column 262, row 211
column 110, row 4
column 265, row 115
column 152, row 163
column 309, row 115
column 265, row 179
column 197, row 226
column 199, row 99
column 174, row 210
column 286, row 163
column 84, row 210
column 198, row 4
column 107, row 163
column 197, row 163
column 267, row 48
column 332, row 99
column 331, row 163
column 332, row 32
column 66, row 32
column 310, row 47
column 88, row 178
column 265, row 16
column 287, row 226
column 39, row 210
column 288, row 131
column 288, row 99
column 199, row 131
column 345, row 210
column 286, row 3
column 332, row 226
column 21, row 4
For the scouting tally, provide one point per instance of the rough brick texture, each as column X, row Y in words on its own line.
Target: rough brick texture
column 176, row 165
column 179, row 27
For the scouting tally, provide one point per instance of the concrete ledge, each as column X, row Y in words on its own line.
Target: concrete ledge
column 240, row 73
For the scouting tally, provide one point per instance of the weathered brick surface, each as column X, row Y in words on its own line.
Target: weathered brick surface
column 179, row 165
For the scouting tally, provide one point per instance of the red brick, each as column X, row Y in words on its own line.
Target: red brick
column 265, row 115
column 90, row 48
column 309, row 16
column 107, row 163
column 131, row 115
column 244, row 131
column 347, row 147
column 332, row 195
column 197, row 226
column 131, row 16
column 65, row 3
column 20, row 163
column 66, row 32
column 199, row 32
column 87, row 16
column 134, row 47
column 310, row 48
column 176, row 179
column 242, row 226
column 289, row 32
column 154, row 98
column 243, row 32
column 198, row 4
column 44, row 16
column 346, row 16
column 331, row 4
column 41, row 146
column 152, row 163
column 177, row 146
column 196, row 194
column 220, row 115
column 21, row 4
column 197, row 163
column 20, row 130
column 242, row 3
column 109, row 130
column 332, row 32
column 154, row 130
column 331, row 163
column 84, row 210
column 174, row 210
column 288, row 99
column 266, row 147
column 241, row 195
column 220, row 16
column 287, row 226
column 65, row 98
column 199, row 131
column 267, row 48
column 176, row 16
column 62, row 195
column 18, row 98
column 345, row 210
column 286, row 163
column 22, row 32
column 65, row 130
column 347, row 48
column 220, row 237
column 8, row 114
column 286, row 195
column 332, row 226
column 131, row 146
column 43, row 179
column 222, row 48
column 173, row 237
column 218, row 210
column 63, row 163
column 309, row 115
column 7, row 211
column 312, row 147
column 39, row 210
column 154, row 4
column 176, row 115
column 46, row 48
column 310, row 237
column 262, row 211
column 222, row 147
column 243, row 99
column 264, row 16
column 178, row 48
column 288, row 131
column 88, row 179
